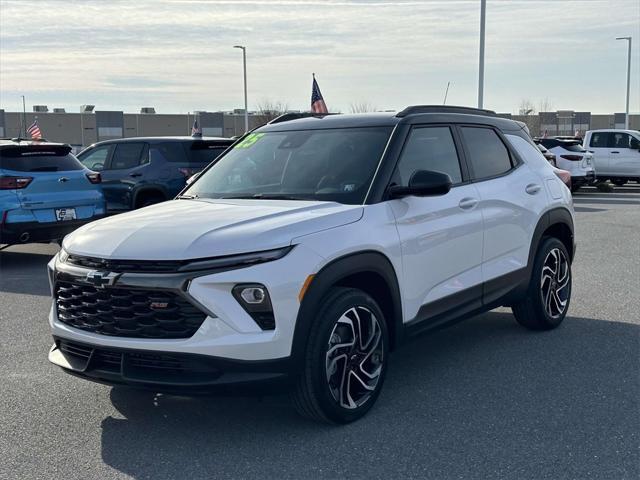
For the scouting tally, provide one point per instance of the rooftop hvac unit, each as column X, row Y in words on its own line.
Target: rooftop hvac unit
column 40, row 109
column 59, row 110
column 87, row 108
column 147, row 110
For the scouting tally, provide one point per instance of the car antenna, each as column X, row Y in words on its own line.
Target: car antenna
column 446, row 92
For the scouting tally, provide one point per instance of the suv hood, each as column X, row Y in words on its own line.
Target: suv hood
column 185, row 229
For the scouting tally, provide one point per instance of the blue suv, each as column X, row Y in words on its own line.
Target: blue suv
column 45, row 193
column 137, row 172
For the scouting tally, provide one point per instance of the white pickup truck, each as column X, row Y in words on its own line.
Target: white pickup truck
column 616, row 154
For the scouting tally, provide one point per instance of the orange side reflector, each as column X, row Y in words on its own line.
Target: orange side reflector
column 305, row 287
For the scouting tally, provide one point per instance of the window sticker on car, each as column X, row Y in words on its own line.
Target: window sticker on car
column 251, row 139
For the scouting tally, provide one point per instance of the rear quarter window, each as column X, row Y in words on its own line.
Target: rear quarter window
column 38, row 162
column 204, row 154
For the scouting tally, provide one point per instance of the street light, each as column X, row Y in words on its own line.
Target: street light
column 626, row 116
column 244, row 66
column 483, row 10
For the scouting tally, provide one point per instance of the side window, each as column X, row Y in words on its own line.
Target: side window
column 168, row 151
column 488, row 155
column 599, row 140
column 127, row 155
column 620, row 140
column 96, row 158
column 429, row 148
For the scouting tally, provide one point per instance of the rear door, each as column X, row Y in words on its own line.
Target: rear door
column 59, row 189
column 512, row 199
column 124, row 170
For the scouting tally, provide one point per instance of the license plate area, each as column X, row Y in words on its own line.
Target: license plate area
column 65, row 214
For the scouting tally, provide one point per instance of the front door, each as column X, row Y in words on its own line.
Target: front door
column 623, row 159
column 441, row 236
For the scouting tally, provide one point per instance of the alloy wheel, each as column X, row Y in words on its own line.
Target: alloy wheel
column 354, row 358
column 554, row 283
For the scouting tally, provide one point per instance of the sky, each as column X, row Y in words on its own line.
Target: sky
column 177, row 55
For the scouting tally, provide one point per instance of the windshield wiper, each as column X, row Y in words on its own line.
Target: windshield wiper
column 187, row 197
column 263, row 196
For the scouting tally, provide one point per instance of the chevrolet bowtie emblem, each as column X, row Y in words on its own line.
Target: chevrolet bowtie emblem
column 101, row 279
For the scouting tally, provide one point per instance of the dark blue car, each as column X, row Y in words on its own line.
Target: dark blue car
column 141, row 171
column 45, row 192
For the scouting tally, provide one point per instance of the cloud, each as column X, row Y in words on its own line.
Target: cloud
column 177, row 55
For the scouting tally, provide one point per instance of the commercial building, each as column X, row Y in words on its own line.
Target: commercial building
column 89, row 126
column 568, row 122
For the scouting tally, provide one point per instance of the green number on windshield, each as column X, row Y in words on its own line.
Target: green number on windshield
column 250, row 140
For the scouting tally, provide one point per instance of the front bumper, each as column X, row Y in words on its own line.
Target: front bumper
column 176, row 373
column 27, row 232
column 228, row 332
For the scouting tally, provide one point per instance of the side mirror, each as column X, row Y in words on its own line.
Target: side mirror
column 193, row 178
column 634, row 144
column 423, row 183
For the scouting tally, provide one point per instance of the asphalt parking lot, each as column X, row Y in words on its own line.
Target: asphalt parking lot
column 483, row 399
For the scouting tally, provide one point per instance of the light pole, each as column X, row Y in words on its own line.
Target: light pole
column 483, row 11
column 244, row 66
column 626, row 116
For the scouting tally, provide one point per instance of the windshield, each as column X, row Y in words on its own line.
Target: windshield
column 330, row 165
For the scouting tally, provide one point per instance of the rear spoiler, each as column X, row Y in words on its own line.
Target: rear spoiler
column 18, row 150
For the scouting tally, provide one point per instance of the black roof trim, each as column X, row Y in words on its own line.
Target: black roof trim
column 286, row 117
column 415, row 109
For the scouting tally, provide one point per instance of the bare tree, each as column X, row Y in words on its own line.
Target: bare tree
column 271, row 109
column 545, row 105
column 526, row 107
column 362, row 107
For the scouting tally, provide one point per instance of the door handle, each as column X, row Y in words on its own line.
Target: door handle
column 468, row 203
column 135, row 174
column 615, row 152
column 532, row 188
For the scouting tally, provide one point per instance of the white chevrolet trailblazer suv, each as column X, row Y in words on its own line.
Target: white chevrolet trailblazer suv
column 310, row 250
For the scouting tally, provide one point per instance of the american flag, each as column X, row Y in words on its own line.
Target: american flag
column 34, row 130
column 196, row 131
column 317, row 102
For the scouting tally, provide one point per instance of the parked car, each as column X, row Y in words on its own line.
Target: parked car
column 45, row 192
column 572, row 157
column 616, row 154
column 551, row 157
column 137, row 172
column 312, row 249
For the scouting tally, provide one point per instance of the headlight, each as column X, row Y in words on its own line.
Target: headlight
column 236, row 261
column 63, row 255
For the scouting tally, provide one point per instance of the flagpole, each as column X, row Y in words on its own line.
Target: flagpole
column 24, row 118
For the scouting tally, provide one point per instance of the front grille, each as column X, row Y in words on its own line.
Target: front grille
column 121, row 312
column 156, row 266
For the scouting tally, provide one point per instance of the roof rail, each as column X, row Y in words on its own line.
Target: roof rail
column 286, row 117
column 413, row 109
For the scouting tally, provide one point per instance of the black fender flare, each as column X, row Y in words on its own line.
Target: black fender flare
column 331, row 275
column 555, row 216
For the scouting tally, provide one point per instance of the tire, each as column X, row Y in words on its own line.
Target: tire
column 575, row 188
column 149, row 199
column 542, row 309
column 619, row 182
column 326, row 392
